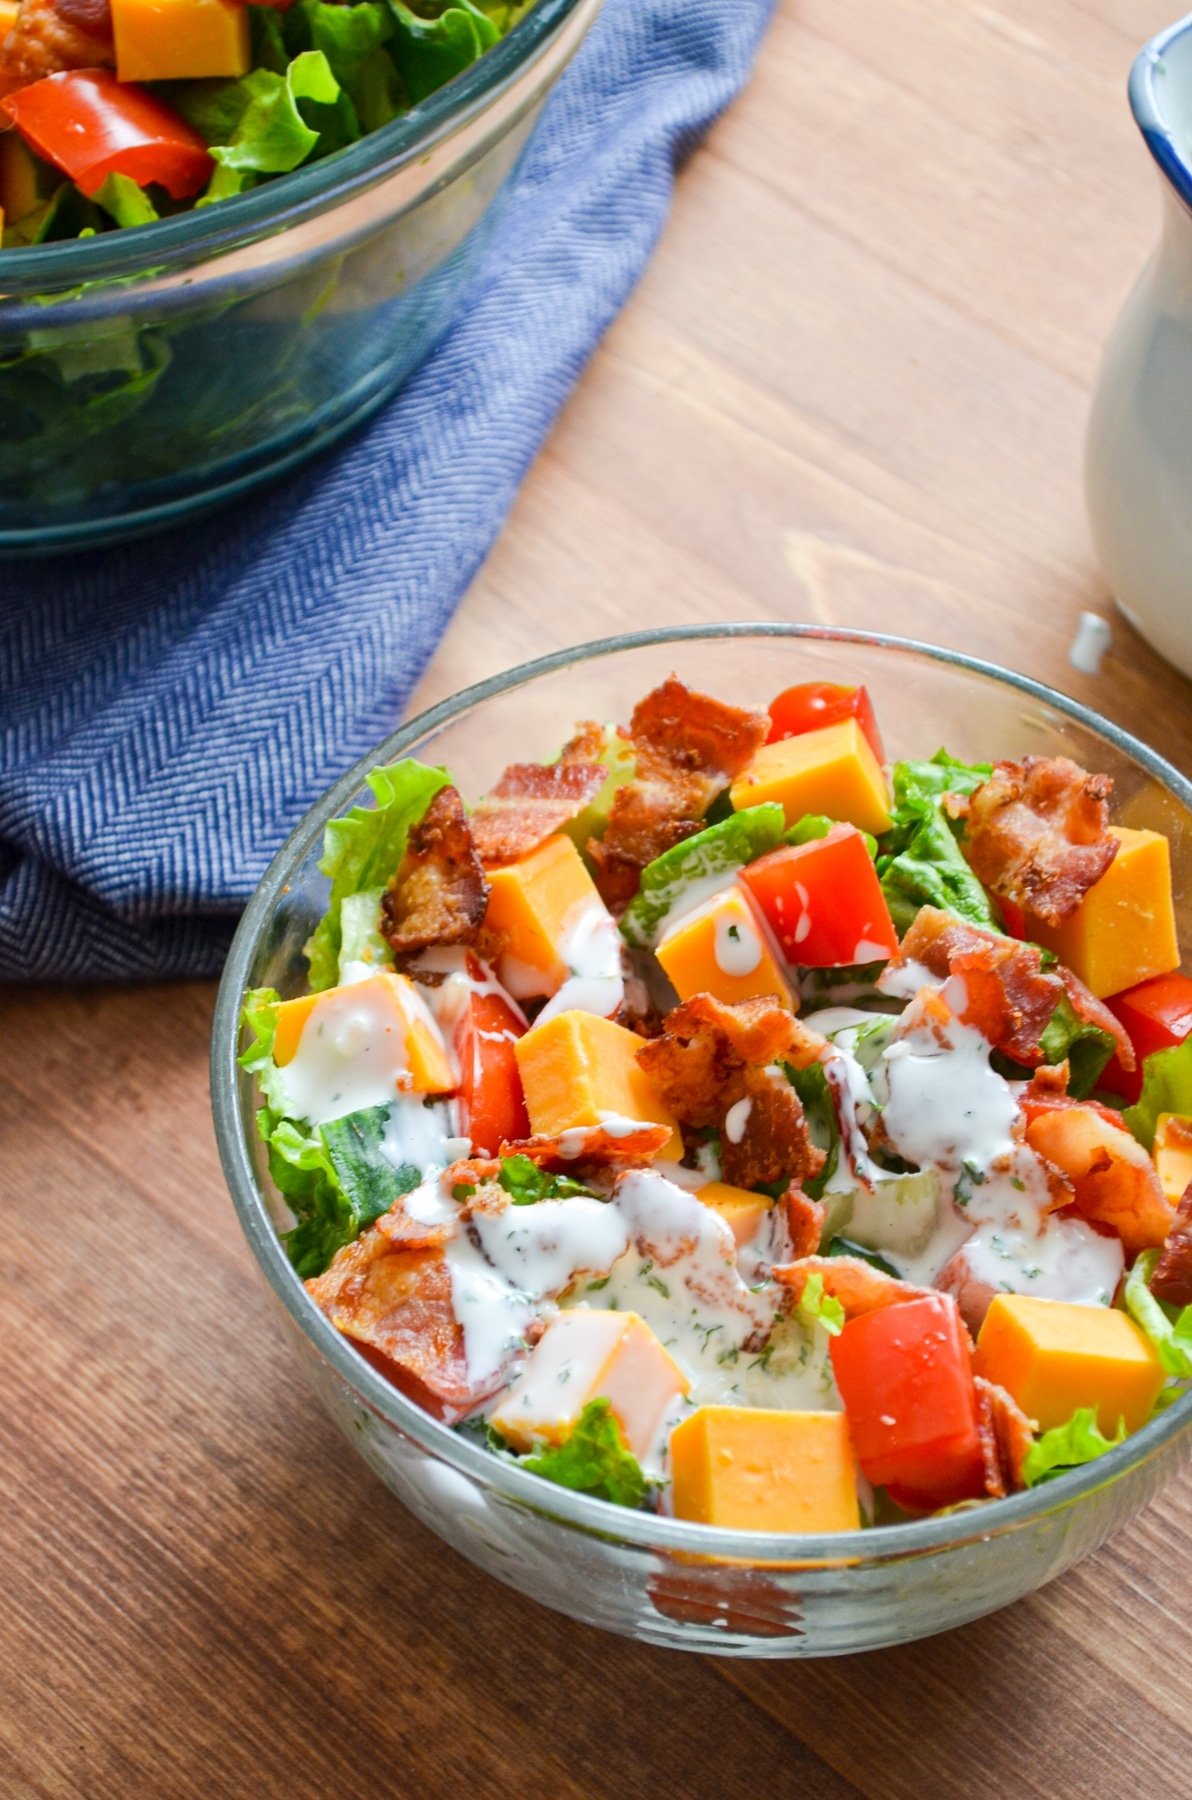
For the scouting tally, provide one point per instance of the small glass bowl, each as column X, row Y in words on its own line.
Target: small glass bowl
column 695, row 1587
column 151, row 373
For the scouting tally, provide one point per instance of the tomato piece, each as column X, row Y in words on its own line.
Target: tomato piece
column 813, row 704
column 1157, row 1015
column 91, row 126
column 824, row 902
column 905, row 1377
column 490, row 1089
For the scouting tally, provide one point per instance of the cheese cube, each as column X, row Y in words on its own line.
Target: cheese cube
column 723, row 948
column 534, row 905
column 1123, row 931
column 742, row 1211
column 831, row 771
column 383, row 1018
column 588, row 1355
column 751, row 1469
column 180, row 40
column 1053, row 1357
column 577, row 1069
column 8, row 16
column 1173, row 1154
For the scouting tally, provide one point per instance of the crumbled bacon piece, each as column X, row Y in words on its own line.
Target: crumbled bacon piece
column 1112, row 1178
column 1172, row 1280
column 1006, row 1435
column 1037, row 833
column 394, row 1302
column 439, row 894
column 54, row 35
column 859, row 1287
column 775, row 1143
column 1010, row 995
column 530, row 803
column 592, row 1144
column 687, row 747
column 804, row 1222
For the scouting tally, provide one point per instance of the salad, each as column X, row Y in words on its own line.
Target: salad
column 720, row 1121
column 121, row 112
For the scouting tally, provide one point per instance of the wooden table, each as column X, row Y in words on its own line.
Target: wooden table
column 851, row 388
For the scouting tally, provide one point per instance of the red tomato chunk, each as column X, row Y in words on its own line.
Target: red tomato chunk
column 91, row 126
column 1157, row 1015
column 814, row 704
column 490, row 1089
column 905, row 1377
column 824, row 902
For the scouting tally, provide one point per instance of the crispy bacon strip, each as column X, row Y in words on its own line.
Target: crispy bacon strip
column 688, row 746
column 804, row 1222
column 859, row 1287
column 530, row 803
column 1037, row 833
column 52, row 35
column 1011, row 997
column 1172, row 1280
column 592, row 1143
column 775, row 1144
column 1006, row 1436
column 1113, row 1179
column 394, row 1302
column 439, row 894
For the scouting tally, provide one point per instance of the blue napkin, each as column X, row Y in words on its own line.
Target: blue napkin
column 170, row 708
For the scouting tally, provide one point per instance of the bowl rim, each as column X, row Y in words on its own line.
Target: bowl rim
column 1151, row 114
column 158, row 249
column 582, row 1511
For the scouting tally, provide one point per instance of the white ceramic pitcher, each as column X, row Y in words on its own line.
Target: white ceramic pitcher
column 1138, row 469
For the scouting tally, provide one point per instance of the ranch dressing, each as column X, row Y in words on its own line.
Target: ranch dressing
column 591, row 950
column 351, row 1054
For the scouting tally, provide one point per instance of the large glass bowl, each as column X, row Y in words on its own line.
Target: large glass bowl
column 150, row 373
column 693, row 1586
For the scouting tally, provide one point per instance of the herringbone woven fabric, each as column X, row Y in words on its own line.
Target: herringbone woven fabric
column 170, row 708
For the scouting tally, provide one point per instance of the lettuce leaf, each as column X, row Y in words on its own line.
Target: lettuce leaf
column 818, row 825
column 1085, row 1047
column 258, row 1016
column 335, row 1179
column 920, row 861
column 811, row 1085
column 594, row 1460
column 127, row 203
column 1166, row 1087
column 817, row 1308
column 718, row 850
column 1169, row 1330
column 1068, row 1447
column 428, row 53
column 363, row 849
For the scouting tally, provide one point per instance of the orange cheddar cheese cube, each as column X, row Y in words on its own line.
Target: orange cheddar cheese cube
column 577, row 1069
column 1123, row 931
column 534, row 905
column 723, row 948
column 742, row 1211
column 752, row 1469
column 1173, row 1154
column 831, row 771
column 180, row 40
column 382, row 1023
column 589, row 1355
column 1053, row 1357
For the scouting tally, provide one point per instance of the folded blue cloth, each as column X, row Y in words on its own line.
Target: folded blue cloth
column 170, row 708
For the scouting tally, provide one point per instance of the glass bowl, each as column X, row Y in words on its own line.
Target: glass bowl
column 148, row 374
column 694, row 1586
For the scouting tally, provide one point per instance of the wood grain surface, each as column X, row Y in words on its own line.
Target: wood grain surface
column 852, row 388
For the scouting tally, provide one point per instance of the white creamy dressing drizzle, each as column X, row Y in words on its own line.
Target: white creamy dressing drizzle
column 691, row 896
column 351, row 1054
column 423, row 1134
column 736, row 1119
column 852, row 1097
column 736, row 946
column 590, row 948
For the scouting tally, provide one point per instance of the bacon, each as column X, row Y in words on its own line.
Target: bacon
column 1114, row 1183
column 394, row 1303
column 687, row 748
column 1010, row 995
column 804, row 1222
column 859, row 1287
column 439, row 894
column 592, row 1143
column 529, row 804
column 1172, row 1280
column 775, row 1143
column 1006, row 1435
column 1037, row 833
column 53, row 35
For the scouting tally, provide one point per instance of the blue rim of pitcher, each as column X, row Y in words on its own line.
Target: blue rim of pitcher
column 1146, row 103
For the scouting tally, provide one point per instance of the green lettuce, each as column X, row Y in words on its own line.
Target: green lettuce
column 1166, row 1087
column 1169, row 1328
column 1068, row 1447
column 920, row 861
column 335, row 1179
column 817, row 1308
column 362, row 851
column 428, row 53
column 258, row 1016
column 718, row 850
column 811, row 1085
column 127, row 203
column 1084, row 1046
column 817, row 825
column 526, row 1183
column 594, row 1460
